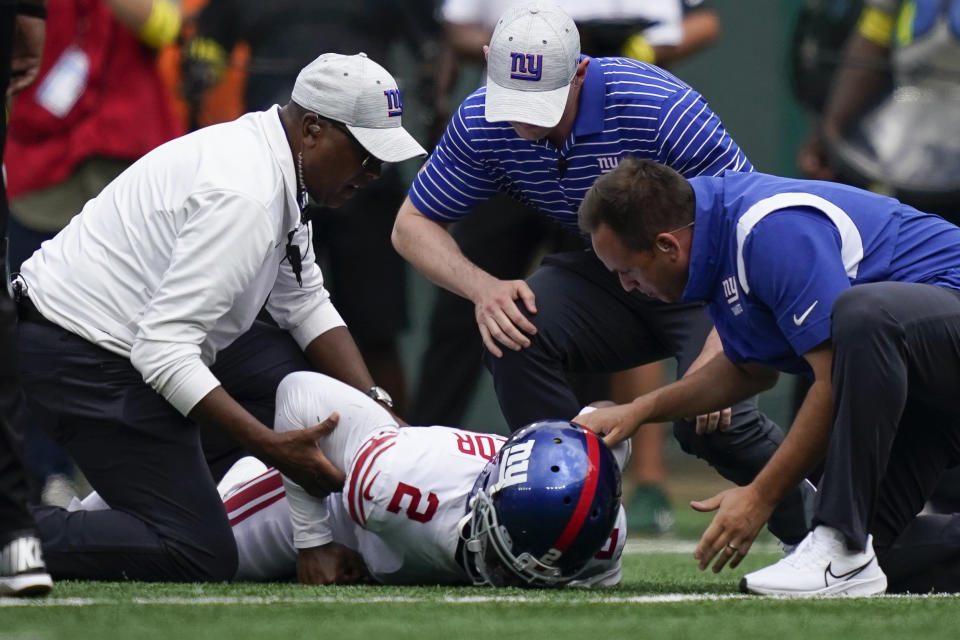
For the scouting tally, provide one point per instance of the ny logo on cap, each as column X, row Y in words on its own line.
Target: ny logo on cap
column 394, row 104
column 526, row 66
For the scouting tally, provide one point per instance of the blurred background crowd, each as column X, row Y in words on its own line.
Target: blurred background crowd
column 861, row 92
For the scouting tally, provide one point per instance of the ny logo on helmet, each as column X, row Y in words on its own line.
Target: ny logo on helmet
column 525, row 66
column 394, row 103
column 516, row 461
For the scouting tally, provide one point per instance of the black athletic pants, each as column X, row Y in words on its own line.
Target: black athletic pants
column 586, row 322
column 14, row 516
column 502, row 237
column 896, row 394
column 166, row 521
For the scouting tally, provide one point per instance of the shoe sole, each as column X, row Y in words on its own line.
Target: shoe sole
column 29, row 585
column 869, row 587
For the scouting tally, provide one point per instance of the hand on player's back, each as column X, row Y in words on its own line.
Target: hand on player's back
column 296, row 455
column 500, row 319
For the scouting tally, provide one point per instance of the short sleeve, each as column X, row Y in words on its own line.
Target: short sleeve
column 693, row 141
column 794, row 267
column 453, row 181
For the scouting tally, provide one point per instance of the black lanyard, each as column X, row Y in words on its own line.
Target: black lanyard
column 294, row 257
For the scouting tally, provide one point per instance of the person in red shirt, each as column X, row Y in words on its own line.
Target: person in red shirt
column 97, row 106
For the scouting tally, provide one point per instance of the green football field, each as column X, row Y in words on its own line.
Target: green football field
column 662, row 596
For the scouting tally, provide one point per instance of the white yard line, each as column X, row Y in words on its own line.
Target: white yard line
column 639, row 546
column 666, row 545
column 584, row 598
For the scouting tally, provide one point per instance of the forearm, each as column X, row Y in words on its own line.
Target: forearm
column 712, row 347
column 700, row 29
column 156, row 22
column 716, row 385
column 802, row 449
column 335, row 353
column 859, row 81
column 308, row 516
column 219, row 411
column 433, row 252
column 132, row 13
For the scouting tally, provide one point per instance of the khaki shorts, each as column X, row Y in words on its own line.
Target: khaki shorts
column 52, row 208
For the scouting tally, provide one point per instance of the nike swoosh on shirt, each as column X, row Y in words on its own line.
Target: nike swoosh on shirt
column 799, row 320
column 828, row 573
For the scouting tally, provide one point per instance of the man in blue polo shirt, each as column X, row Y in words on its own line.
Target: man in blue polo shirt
column 547, row 124
column 855, row 290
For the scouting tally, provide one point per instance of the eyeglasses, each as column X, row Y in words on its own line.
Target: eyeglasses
column 662, row 245
column 370, row 162
column 686, row 226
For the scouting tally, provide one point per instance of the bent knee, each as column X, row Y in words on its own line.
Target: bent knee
column 223, row 566
column 217, row 559
column 685, row 433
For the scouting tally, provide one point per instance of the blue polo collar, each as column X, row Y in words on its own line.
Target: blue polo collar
column 706, row 252
column 592, row 101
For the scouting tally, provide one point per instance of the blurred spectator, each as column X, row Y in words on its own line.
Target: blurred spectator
column 894, row 96
column 505, row 238
column 97, row 106
column 365, row 276
column 821, row 29
column 194, row 104
column 22, row 570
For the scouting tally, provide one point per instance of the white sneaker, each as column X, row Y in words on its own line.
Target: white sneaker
column 821, row 566
column 788, row 548
column 22, row 572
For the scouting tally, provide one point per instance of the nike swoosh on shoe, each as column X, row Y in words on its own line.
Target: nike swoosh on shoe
column 828, row 573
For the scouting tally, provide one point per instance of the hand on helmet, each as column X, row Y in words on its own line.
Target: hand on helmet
column 614, row 423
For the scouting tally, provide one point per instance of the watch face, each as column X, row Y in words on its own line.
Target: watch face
column 380, row 395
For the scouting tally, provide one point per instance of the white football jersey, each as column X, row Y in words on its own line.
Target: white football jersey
column 405, row 493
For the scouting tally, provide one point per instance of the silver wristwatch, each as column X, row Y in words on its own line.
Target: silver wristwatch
column 380, row 395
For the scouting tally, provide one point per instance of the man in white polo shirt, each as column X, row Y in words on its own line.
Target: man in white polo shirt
column 138, row 321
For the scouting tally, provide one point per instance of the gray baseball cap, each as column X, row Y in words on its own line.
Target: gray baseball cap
column 361, row 94
column 532, row 61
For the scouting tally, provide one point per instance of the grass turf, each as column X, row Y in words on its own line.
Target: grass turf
column 706, row 607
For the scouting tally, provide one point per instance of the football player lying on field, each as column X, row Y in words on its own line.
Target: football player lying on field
column 429, row 505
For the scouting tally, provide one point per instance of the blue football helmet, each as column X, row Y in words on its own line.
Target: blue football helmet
column 542, row 508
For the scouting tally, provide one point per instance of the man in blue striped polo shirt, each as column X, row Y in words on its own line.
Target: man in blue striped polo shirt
column 547, row 124
column 858, row 292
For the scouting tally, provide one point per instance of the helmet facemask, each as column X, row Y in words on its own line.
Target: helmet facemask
column 488, row 555
column 541, row 509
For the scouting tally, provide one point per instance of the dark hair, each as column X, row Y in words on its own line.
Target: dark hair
column 638, row 200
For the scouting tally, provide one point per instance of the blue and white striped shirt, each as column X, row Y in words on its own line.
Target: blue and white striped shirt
column 626, row 108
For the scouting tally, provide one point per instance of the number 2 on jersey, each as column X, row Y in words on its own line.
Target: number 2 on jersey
column 404, row 489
